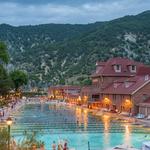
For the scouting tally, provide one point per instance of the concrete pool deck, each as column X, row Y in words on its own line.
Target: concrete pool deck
column 132, row 120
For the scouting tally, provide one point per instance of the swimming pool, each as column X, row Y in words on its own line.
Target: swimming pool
column 76, row 125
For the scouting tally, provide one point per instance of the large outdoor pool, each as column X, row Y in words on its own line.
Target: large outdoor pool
column 77, row 126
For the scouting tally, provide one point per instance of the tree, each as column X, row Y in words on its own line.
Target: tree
column 19, row 78
column 86, row 82
column 5, row 82
column 4, row 56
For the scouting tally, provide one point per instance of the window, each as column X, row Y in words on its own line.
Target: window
column 146, row 77
column 132, row 68
column 116, row 85
column 128, row 84
column 117, row 68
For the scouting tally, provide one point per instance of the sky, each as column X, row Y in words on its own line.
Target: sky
column 32, row 12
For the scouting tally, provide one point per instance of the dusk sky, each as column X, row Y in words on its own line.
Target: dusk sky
column 24, row 12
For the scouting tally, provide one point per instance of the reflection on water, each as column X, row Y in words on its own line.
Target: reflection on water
column 127, row 139
column 106, row 122
column 76, row 125
column 85, row 119
column 81, row 117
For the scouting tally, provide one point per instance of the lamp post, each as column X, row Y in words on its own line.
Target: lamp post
column 9, row 122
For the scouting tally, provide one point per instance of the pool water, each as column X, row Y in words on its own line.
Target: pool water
column 77, row 126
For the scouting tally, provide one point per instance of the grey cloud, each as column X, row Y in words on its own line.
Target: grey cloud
column 91, row 11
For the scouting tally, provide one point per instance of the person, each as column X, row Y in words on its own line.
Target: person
column 42, row 147
column 65, row 146
column 60, row 146
column 53, row 146
column 14, row 145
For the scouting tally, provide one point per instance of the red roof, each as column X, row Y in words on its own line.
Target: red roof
column 108, row 70
column 65, row 87
column 86, row 89
column 127, row 86
column 145, row 70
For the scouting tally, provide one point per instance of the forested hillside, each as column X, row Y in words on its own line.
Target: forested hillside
column 51, row 53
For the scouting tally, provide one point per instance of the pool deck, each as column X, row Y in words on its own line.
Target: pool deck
column 132, row 120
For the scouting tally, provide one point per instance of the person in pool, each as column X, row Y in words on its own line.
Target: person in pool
column 60, row 147
column 65, row 146
column 53, row 146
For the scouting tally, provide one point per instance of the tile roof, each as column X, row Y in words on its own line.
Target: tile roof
column 65, row 87
column 108, row 70
column 144, row 70
column 127, row 86
column 86, row 88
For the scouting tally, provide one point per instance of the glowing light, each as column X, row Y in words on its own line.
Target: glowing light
column 128, row 104
column 79, row 98
column 107, row 100
column 9, row 121
column 85, row 111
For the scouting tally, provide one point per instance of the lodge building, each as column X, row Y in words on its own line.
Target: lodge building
column 65, row 92
column 119, row 84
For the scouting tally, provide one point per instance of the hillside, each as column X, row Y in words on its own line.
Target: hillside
column 51, row 53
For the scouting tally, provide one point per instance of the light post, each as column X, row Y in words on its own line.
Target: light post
column 9, row 122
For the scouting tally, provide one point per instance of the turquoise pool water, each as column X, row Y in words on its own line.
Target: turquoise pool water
column 77, row 126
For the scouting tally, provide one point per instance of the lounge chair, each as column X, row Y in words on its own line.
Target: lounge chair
column 140, row 116
column 124, row 147
column 124, row 113
column 148, row 117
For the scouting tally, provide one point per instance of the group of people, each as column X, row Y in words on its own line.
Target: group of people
column 60, row 146
column 12, row 106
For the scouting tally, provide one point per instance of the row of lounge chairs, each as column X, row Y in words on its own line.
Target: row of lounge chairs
column 142, row 116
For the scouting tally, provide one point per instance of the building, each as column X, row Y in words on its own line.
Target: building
column 65, row 92
column 85, row 94
column 144, row 107
column 120, row 84
column 125, row 94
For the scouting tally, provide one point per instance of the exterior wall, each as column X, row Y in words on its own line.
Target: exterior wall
column 63, row 92
column 55, row 93
column 120, row 101
column 96, row 82
column 86, row 94
column 145, row 110
column 101, row 83
column 139, row 97
column 142, row 94
column 117, row 101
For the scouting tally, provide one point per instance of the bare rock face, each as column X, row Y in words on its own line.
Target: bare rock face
column 130, row 37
